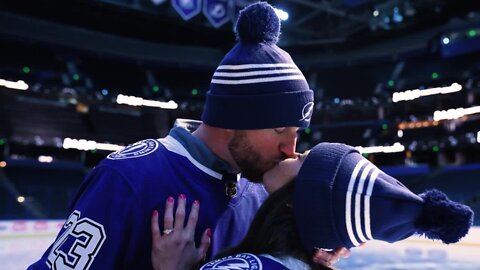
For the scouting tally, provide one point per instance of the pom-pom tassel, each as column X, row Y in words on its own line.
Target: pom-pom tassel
column 442, row 218
column 258, row 23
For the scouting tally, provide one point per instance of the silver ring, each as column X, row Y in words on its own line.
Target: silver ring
column 168, row 231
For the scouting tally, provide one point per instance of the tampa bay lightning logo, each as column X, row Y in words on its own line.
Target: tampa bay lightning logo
column 242, row 261
column 138, row 149
column 307, row 111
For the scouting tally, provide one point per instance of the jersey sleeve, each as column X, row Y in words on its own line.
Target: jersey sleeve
column 99, row 232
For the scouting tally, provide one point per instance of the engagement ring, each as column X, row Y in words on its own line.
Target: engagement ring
column 168, row 231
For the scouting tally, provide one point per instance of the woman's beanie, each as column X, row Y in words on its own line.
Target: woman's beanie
column 257, row 85
column 343, row 200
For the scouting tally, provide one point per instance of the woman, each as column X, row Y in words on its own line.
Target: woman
column 339, row 199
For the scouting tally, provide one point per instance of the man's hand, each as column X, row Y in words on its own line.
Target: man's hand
column 175, row 249
column 329, row 258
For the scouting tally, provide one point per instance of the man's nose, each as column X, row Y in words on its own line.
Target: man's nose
column 287, row 147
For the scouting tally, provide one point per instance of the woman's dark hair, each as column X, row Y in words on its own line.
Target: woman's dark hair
column 273, row 230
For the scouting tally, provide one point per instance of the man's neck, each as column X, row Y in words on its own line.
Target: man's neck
column 217, row 140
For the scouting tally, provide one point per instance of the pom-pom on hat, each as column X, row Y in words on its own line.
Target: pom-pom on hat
column 257, row 85
column 343, row 200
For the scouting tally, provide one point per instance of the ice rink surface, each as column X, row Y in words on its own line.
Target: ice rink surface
column 22, row 243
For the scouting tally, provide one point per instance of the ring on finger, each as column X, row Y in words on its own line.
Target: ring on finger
column 168, row 231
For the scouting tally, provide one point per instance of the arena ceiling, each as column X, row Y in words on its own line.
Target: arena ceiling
column 312, row 24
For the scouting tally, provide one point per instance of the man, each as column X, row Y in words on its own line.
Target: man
column 257, row 101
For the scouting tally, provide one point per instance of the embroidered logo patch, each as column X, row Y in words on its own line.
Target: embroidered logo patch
column 307, row 112
column 138, row 149
column 242, row 261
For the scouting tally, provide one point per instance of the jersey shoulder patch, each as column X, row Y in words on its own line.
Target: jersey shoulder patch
column 241, row 261
column 138, row 149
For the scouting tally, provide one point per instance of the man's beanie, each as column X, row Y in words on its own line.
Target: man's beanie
column 343, row 200
column 257, row 85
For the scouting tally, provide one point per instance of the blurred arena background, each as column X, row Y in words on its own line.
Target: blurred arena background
column 79, row 79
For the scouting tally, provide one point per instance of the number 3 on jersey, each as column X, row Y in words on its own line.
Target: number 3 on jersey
column 88, row 237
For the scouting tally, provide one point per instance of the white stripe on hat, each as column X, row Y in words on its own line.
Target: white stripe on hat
column 256, row 73
column 358, row 204
column 252, row 66
column 348, row 202
column 259, row 80
column 368, row 195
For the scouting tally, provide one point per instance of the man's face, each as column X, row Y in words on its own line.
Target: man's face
column 256, row 151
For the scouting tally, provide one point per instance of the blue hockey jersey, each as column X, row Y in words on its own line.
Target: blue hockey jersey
column 108, row 227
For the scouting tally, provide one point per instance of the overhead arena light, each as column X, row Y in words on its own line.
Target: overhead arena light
column 138, row 101
column 282, row 15
column 455, row 113
column 417, row 93
column 86, row 145
column 20, row 199
column 395, row 148
column 417, row 124
column 45, row 159
column 18, row 85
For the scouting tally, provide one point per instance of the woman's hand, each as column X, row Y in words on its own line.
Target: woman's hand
column 329, row 258
column 174, row 248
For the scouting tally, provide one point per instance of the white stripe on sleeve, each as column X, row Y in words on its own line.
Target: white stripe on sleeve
column 368, row 195
column 348, row 201
column 358, row 203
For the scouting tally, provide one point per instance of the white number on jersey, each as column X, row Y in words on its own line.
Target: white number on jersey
column 89, row 237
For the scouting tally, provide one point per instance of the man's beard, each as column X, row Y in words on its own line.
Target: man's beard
column 248, row 160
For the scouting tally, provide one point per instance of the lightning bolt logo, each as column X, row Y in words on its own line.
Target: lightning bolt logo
column 307, row 112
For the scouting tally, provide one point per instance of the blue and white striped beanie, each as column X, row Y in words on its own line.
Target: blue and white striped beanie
column 342, row 200
column 257, row 85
